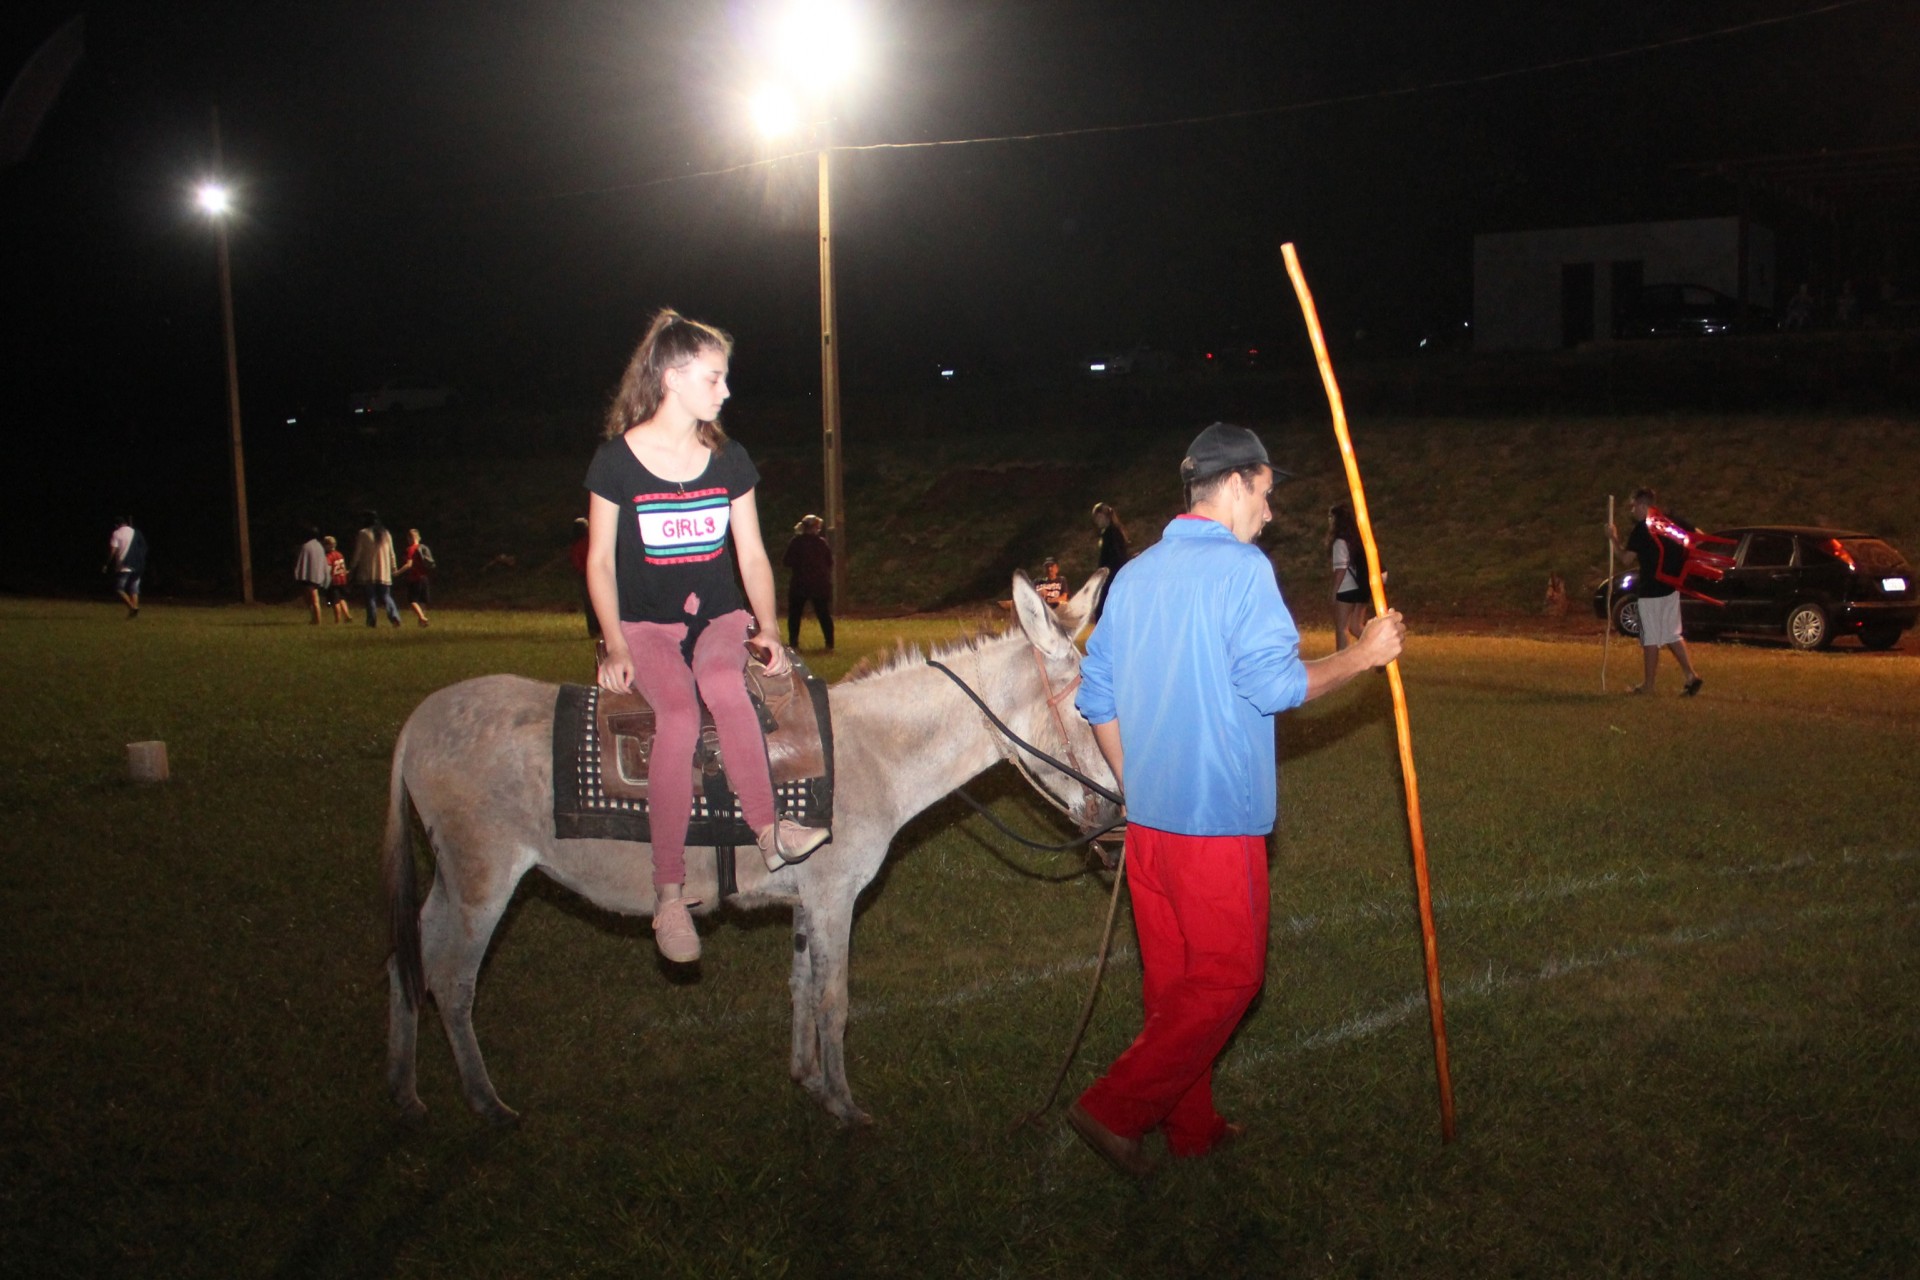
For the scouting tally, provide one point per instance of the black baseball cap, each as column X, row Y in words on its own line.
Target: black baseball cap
column 1225, row 447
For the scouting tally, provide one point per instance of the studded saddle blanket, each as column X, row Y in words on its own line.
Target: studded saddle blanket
column 601, row 746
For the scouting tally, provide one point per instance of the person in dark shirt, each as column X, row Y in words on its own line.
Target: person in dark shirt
column 1662, row 566
column 1114, row 549
column 672, row 513
column 810, row 558
column 577, row 557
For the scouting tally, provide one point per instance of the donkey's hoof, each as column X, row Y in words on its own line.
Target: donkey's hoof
column 850, row 1116
column 410, row 1111
column 496, row 1113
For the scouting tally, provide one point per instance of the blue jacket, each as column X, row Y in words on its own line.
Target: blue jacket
column 1194, row 655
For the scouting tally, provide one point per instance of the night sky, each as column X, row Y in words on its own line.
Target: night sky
column 471, row 190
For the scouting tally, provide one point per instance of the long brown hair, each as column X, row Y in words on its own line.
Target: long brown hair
column 671, row 341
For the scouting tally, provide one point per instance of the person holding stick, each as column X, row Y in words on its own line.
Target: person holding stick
column 1195, row 656
column 1662, row 564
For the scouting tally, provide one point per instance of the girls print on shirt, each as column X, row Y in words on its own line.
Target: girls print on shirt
column 683, row 528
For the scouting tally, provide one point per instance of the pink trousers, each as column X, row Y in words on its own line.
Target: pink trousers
column 675, row 692
column 1200, row 910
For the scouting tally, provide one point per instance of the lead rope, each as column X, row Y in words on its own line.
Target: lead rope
column 1035, row 1116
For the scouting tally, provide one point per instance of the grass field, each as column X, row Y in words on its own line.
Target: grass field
column 1681, row 941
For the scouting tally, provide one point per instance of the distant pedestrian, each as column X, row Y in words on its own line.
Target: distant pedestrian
column 1846, row 307
column 1114, row 549
column 577, row 554
column 1051, row 586
column 1347, row 557
column 311, row 573
column 336, row 580
column 1662, row 567
column 416, row 569
column 127, row 562
column 809, row 557
column 1799, row 309
column 372, row 567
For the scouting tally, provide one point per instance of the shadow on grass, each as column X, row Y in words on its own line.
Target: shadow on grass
column 372, row 1215
column 1303, row 734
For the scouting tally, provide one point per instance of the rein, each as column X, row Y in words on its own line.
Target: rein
column 1079, row 777
column 1119, row 872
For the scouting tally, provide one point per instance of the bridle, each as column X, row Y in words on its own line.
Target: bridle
column 1011, row 745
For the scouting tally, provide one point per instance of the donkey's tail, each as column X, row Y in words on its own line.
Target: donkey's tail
column 403, row 904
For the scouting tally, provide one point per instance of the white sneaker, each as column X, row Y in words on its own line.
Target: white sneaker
column 785, row 842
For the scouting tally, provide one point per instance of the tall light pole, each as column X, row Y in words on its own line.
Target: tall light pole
column 215, row 200
column 830, row 381
column 816, row 45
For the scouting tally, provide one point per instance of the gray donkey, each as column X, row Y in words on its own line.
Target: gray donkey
column 476, row 762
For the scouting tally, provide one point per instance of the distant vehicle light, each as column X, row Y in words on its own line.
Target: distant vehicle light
column 1893, row 584
column 1209, row 355
column 1098, row 366
column 293, row 422
column 947, row 374
column 1423, row 342
column 360, row 410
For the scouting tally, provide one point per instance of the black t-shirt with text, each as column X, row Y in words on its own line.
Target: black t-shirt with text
column 673, row 555
column 1656, row 556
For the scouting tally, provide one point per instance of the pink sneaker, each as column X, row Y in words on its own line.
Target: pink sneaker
column 673, row 930
column 785, row 842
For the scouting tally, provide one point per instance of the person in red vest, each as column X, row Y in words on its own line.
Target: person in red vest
column 416, row 568
column 1660, row 548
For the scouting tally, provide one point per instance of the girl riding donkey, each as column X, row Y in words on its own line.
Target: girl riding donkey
column 671, row 514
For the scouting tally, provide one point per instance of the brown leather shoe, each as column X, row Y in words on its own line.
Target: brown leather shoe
column 1123, row 1154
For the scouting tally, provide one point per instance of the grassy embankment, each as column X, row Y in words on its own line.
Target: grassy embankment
column 1472, row 514
column 1679, row 936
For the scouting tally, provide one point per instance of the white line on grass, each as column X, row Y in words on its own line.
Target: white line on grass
column 1378, row 909
column 1491, row 981
column 1397, row 908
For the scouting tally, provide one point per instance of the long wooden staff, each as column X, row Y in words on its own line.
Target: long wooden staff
column 1606, row 629
column 1435, row 1011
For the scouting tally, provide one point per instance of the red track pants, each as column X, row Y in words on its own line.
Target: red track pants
column 1200, row 911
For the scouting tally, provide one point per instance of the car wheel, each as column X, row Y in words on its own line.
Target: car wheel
column 1880, row 635
column 1626, row 616
column 1807, row 627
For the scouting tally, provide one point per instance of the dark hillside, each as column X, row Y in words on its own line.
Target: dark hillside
column 1471, row 514
column 1484, row 474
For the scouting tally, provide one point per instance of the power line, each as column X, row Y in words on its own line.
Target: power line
column 1250, row 113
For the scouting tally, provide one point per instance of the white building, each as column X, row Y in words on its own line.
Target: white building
column 1541, row 290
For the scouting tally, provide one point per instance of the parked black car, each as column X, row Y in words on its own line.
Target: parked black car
column 1809, row 585
column 1689, row 311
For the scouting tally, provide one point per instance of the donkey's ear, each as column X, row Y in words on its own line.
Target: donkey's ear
column 1073, row 613
column 1037, row 620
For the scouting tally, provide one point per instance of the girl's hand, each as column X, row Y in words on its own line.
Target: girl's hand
column 770, row 654
column 616, row 669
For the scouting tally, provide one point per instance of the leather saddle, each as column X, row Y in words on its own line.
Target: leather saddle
column 791, row 721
